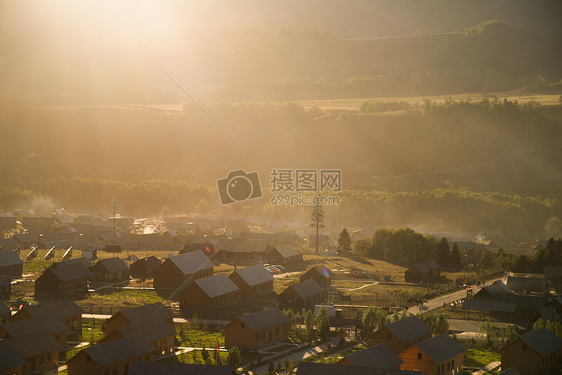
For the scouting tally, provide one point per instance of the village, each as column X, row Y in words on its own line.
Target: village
column 103, row 294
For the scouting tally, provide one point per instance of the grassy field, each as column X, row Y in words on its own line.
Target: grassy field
column 479, row 358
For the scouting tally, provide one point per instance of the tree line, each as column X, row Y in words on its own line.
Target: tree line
column 404, row 245
column 549, row 255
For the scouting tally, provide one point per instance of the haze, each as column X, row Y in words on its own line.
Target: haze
column 152, row 102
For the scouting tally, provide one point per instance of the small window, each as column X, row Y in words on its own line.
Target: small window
column 389, row 335
column 438, row 372
column 453, row 364
column 524, row 347
column 448, row 366
column 419, row 356
column 88, row 358
column 242, row 325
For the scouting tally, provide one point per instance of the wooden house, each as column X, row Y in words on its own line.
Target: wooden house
column 11, row 363
column 26, row 240
column 139, row 314
column 321, row 274
column 157, row 332
column 546, row 313
column 144, row 268
column 252, row 281
column 434, row 268
column 400, row 335
column 256, row 330
column 421, row 272
column 64, row 309
column 39, row 351
column 82, row 260
column 169, row 368
column 51, row 325
column 5, row 289
column 497, row 291
column 206, row 247
column 181, row 270
column 527, row 285
column 377, row 356
column 417, row 273
column 440, row 355
column 284, row 254
column 62, row 278
column 11, row 265
column 533, row 353
column 113, row 357
column 209, row 294
column 110, row 270
column 305, row 294
column 239, row 251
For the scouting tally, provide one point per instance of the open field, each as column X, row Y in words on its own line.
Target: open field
column 360, row 282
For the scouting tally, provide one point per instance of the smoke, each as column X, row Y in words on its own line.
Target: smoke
column 42, row 205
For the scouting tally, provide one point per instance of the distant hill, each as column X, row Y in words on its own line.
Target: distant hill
column 277, row 51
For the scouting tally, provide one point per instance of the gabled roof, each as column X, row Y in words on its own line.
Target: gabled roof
column 61, row 308
column 311, row 368
column 420, row 267
column 307, row 288
column 68, row 272
column 46, row 324
column 254, row 275
column 153, row 330
column 243, row 246
column 33, row 345
column 264, row 319
column 408, row 329
column 440, row 348
column 112, row 264
column 527, row 283
column 191, row 262
column 432, row 265
column 542, row 340
column 552, row 271
column 9, row 258
column 497, row 288
column 169, row 368
column 25, row 238
column 378, row 356
column 119, row 350
column 319, row 269
column 84, row 261
column 150, row 261
column 144, row 313
column 216, row 285
column 9, row 358
column 286, row 251
column 549, row 313
column 533, row 302
column 473, row 304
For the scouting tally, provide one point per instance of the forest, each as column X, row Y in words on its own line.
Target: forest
column 448, row 118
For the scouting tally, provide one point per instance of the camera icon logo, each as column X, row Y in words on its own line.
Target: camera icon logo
column 239, row 186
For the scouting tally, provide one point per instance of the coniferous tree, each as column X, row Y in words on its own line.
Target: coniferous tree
column 344, row 242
